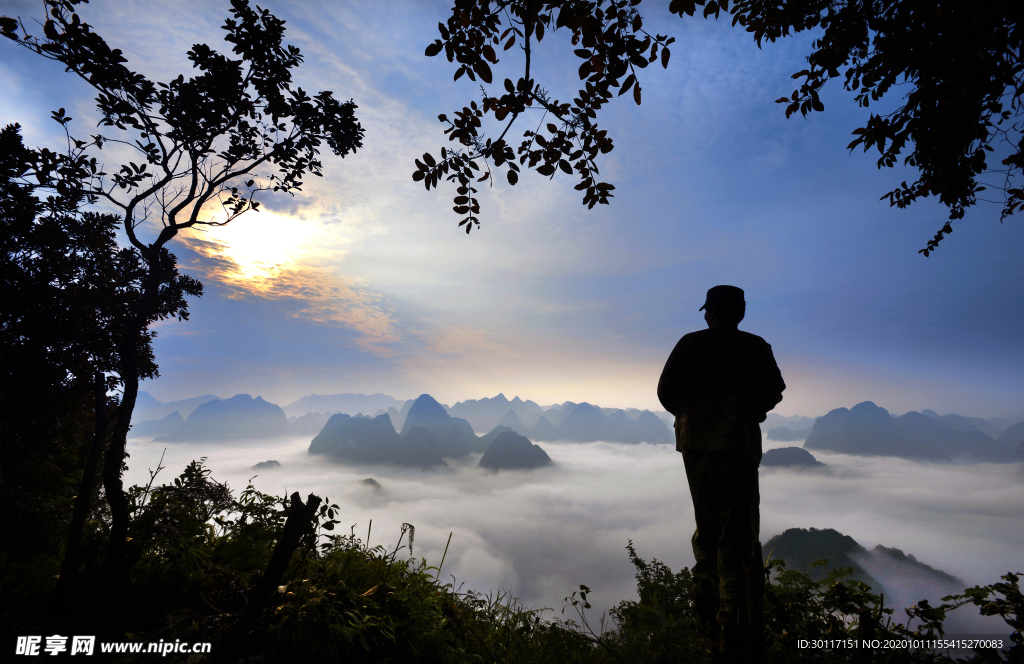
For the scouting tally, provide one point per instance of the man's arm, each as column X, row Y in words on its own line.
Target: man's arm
column 672, row 386
column 772, row 385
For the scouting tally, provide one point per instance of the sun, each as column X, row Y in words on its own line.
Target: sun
column 261, row 245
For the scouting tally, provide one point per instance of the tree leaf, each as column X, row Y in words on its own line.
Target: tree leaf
column 630, row 80
column 636, row 94
column 513, row 177
column 483, row 70
column 433, row 49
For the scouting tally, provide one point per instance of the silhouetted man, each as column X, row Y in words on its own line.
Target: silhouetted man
column 720, row 384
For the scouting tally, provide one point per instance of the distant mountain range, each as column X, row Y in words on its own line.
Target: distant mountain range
column 241, row 416
column 793, row 422
column 787, row 435
column 586, row 423
column 148, row 408
column 363, row 440
column 212, row 418
column 428, row 436
column 1013, row 436
column 342, row 403
column 485, row 414
column 865, row 429
column 869, row 430
column 901, row 577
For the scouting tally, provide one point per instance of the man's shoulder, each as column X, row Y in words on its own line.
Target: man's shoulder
column 695, row 336
column 752, row 339
column 718, row 335
column 695, row 339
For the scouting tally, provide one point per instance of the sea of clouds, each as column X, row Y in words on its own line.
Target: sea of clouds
column 541, row 534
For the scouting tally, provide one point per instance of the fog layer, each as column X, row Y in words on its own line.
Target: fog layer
column 542, row 533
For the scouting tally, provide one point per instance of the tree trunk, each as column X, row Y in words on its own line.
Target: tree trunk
column 112, row 463
column 299, row 522
column 72, row 552
column 113, row 561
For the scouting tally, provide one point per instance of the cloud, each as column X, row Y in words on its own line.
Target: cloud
column 313, row 293
column 541, row 534
column 459, row 340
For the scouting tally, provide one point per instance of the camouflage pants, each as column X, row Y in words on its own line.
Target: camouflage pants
column 726, row 502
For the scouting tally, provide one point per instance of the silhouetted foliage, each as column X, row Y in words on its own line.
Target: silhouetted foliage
column 212, row 141
column 67, row 291
column 612, row 45
column 958, row 62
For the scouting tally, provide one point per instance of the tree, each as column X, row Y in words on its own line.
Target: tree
column 67, row 290
column 206, row 147
column 960, row 63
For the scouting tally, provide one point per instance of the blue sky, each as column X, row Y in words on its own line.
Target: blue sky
column 364, row 283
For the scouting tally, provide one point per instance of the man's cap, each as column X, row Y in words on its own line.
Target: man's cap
column 724, row 295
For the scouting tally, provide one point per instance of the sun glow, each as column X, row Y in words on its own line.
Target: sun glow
column 294, row 259
column 260, row 246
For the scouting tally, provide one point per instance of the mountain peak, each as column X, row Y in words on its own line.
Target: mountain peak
column 868, row 407
column 510, row 451
column 427, row 407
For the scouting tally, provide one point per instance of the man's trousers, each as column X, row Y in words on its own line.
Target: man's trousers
column 726, row 500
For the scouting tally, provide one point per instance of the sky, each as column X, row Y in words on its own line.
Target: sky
column 364, row 283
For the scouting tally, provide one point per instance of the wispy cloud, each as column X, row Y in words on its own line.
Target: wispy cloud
column 313, row 292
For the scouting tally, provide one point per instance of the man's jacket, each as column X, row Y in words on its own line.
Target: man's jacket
column 720, row 383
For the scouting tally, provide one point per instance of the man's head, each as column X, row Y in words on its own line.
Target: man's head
column 724, row 306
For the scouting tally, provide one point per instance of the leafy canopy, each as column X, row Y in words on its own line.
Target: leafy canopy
column 612, row 45
column 206, row 145
column 193, row 152
column 958, row 63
